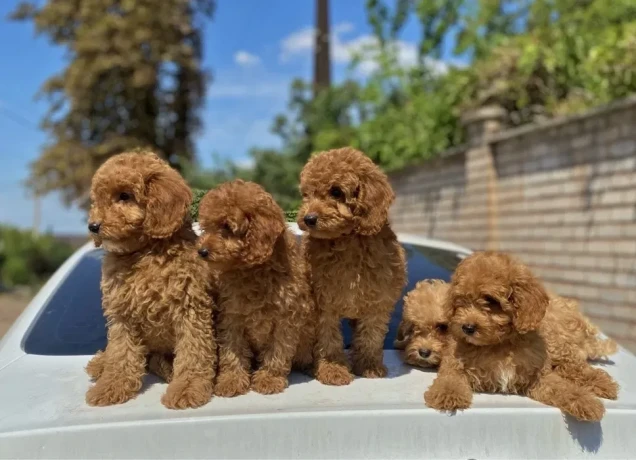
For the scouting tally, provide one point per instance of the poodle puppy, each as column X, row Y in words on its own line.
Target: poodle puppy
column 567, row 330
column 423, row 329
column 155, row 294
column 502, row 341
column 264, row 300
column 357, row 266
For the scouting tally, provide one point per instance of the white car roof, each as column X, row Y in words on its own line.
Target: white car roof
column 43, row 415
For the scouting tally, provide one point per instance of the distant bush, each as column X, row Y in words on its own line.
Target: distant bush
column 28, row 260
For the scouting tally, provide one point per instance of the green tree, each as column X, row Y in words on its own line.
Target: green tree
column 133, row 78
column 571, row 55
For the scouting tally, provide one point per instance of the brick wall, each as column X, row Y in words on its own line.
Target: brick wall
column 561, row 196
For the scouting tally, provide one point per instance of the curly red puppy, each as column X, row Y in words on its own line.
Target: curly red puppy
column 154, row 295
column 264, row 302
column 423, row 330
column 502, row 341
column 357, row 266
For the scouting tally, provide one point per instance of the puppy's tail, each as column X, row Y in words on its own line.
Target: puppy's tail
column 598, row 348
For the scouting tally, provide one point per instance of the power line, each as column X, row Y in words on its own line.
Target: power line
column 17, row 118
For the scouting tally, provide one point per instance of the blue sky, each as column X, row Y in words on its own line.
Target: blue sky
column 252, row 52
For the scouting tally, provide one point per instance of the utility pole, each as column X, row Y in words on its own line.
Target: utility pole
column 322, row 56
column 36, row 215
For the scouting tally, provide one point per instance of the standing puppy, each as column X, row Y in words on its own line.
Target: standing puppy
column 155, row 295
column 264, row 299
column 357, row 266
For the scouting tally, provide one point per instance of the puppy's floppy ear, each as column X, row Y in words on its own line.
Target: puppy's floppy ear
column 264, row 229
column 405, row 330
column 168, row 199
column 374, row 197
column 529, row 301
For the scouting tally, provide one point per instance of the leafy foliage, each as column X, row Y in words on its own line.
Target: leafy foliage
column 569, row 55
column 26, row 259
column 133, row 79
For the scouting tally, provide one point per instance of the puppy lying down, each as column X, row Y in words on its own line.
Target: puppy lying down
column 505, row 338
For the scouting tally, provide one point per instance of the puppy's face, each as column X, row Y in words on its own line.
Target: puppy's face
column 492, row 298
column 241, row 224
column 422, row 342
column 423, row 331
column 135, row 198
column 343, row 192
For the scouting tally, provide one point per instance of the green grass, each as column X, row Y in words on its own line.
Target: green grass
column 290, row 216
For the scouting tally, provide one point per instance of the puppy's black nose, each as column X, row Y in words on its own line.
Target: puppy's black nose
column 311, row 220
column 203, row 252
column 425, row 353
column 93, row 227
column 469, row 329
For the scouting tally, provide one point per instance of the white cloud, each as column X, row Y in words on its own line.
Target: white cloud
column 343, row 28
column 246, row 163
column 245, row 59
column 298, row 43
column 343, row 51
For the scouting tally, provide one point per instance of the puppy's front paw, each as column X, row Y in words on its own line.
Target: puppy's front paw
column 333, row 374
column 229, row 385
column 447, row 397
column 183, row 394
column 587, row 409
column 267, row 384
column 110, row 393
column 371, row 372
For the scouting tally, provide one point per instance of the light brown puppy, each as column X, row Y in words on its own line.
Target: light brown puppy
column 264, row 301
column 423, row 330
column 357, row 266
column 155, row 295
column 422, row 333
column 500, row 343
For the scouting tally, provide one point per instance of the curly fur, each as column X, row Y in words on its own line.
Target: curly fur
column 509, row 336
column 423, row 330
column 155, row 295
column 357, row 266
column 264, row 300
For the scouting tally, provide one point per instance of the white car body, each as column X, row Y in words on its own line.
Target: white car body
column 43, row 414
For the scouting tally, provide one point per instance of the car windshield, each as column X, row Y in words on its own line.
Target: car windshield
column 72, row 323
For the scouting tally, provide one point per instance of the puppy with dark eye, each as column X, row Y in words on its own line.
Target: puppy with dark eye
column 155, row 295
column 508, row 335
column 423, row 329
column 264, row 301
column 356, row 263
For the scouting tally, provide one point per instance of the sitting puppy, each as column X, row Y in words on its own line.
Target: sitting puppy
column 264, row 301
column 500, row 343
column 357, row 266
column 155, row 295
column 423, row 329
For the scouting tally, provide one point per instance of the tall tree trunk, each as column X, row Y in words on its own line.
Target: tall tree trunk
column 322, row 56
